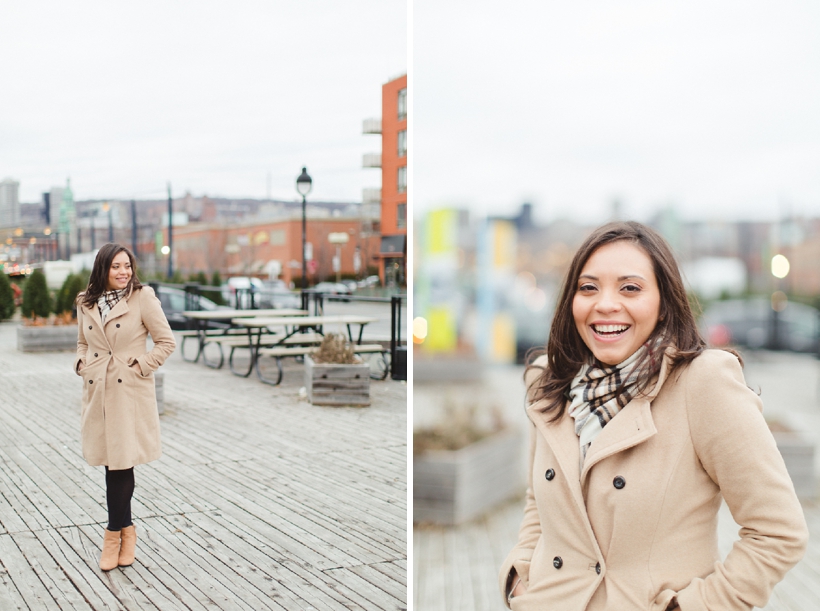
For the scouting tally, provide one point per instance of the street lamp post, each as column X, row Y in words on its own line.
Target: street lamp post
column 303, row 186
column 780, row 269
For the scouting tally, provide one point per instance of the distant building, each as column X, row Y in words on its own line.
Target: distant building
column 393, row 194
column 261, row 247
column 9, row 203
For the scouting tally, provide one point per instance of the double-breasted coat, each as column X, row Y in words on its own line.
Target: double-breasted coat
column 120, row 423
column 638, row 525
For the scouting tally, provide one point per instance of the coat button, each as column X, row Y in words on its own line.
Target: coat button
column 619, row 482
column 120, row 381
column 89, row 326
column 95, row 354
column 549, row 474
column 91, row 381
column 557, row 562
column 118, row 325
column 109, row 353
column 598, row 568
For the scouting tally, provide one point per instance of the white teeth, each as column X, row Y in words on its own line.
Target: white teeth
column 610, row 328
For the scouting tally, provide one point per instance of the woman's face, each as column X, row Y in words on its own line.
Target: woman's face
column 120, row 272
column 617, row 301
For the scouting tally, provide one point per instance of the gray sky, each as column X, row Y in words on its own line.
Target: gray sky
column 210, row 95
column 713, row 106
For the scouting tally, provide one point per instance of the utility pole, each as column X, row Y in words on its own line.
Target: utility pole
column 170, row 234
column 134, row 227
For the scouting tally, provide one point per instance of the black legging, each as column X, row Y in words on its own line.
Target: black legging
column 119, row 488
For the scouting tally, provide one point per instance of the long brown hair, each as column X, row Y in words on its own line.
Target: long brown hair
column 566, row 351
column 98, row 281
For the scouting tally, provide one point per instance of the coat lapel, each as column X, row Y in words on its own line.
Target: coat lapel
column 93, row 313
column 632, row 425
column 563, row 442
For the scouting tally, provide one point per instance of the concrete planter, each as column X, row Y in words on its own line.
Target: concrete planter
column 332, row 384
column 47, row 339
column 798, row 454
column 450, row 487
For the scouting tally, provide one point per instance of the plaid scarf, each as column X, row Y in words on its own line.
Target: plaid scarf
column 593, row 403
column 108, row 300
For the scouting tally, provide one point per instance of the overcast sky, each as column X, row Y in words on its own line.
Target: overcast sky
column 209, row 95
column 712, row 106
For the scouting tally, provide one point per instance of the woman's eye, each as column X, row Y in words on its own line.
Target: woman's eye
column 586, row 287
column 632, row 288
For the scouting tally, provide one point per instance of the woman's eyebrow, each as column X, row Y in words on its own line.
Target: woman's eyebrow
column 620, row 278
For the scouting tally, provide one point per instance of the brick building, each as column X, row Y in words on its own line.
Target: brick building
column 272, row 247
column 393, row 163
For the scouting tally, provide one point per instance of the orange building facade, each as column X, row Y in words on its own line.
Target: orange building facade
column 393, row 246
column 274, row 248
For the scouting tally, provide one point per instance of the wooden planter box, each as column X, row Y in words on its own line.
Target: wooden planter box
column 450, row 487
column 47, row 339
column 798, row 454
column 331, row 384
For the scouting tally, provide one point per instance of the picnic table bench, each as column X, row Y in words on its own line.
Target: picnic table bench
column 203, row 318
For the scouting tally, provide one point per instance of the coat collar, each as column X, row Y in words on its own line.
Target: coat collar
column 118, row 310
column 633, row 425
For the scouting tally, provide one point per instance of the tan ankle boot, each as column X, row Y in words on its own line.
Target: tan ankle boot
column 110, row 550
column 129, row 543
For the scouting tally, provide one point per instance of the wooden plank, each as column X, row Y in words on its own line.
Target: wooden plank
column 382, row 581
column 10, row 597
column 22, row 575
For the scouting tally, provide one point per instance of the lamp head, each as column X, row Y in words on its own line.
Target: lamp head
column 304, row 183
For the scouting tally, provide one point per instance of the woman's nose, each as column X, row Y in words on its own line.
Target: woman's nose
column 607, row 303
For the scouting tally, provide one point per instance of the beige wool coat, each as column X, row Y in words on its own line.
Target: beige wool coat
column 120, row 423
column 639, row 524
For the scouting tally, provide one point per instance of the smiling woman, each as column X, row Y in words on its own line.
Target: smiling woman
column 637, row 434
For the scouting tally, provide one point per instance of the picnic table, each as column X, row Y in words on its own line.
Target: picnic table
column 288, row 343
column 202, row 320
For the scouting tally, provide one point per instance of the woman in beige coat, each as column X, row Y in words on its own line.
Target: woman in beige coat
column 637, row 433
column 120, row 423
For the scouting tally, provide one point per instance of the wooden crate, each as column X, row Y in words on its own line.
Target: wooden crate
column 331, row 384
column 451, row 487
column 47, row 339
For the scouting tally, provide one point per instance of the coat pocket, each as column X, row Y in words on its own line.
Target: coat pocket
column 662, row 600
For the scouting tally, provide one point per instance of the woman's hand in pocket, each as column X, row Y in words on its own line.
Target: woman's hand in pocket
column 136, row 367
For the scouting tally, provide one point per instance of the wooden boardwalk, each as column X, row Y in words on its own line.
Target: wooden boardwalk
column 260, row 501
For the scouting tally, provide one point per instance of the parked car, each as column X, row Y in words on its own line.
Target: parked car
column 368, row 282
column 332, row 288
column 351, row 284
column 275, row 294
column 748, row 322
column 174, row 304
